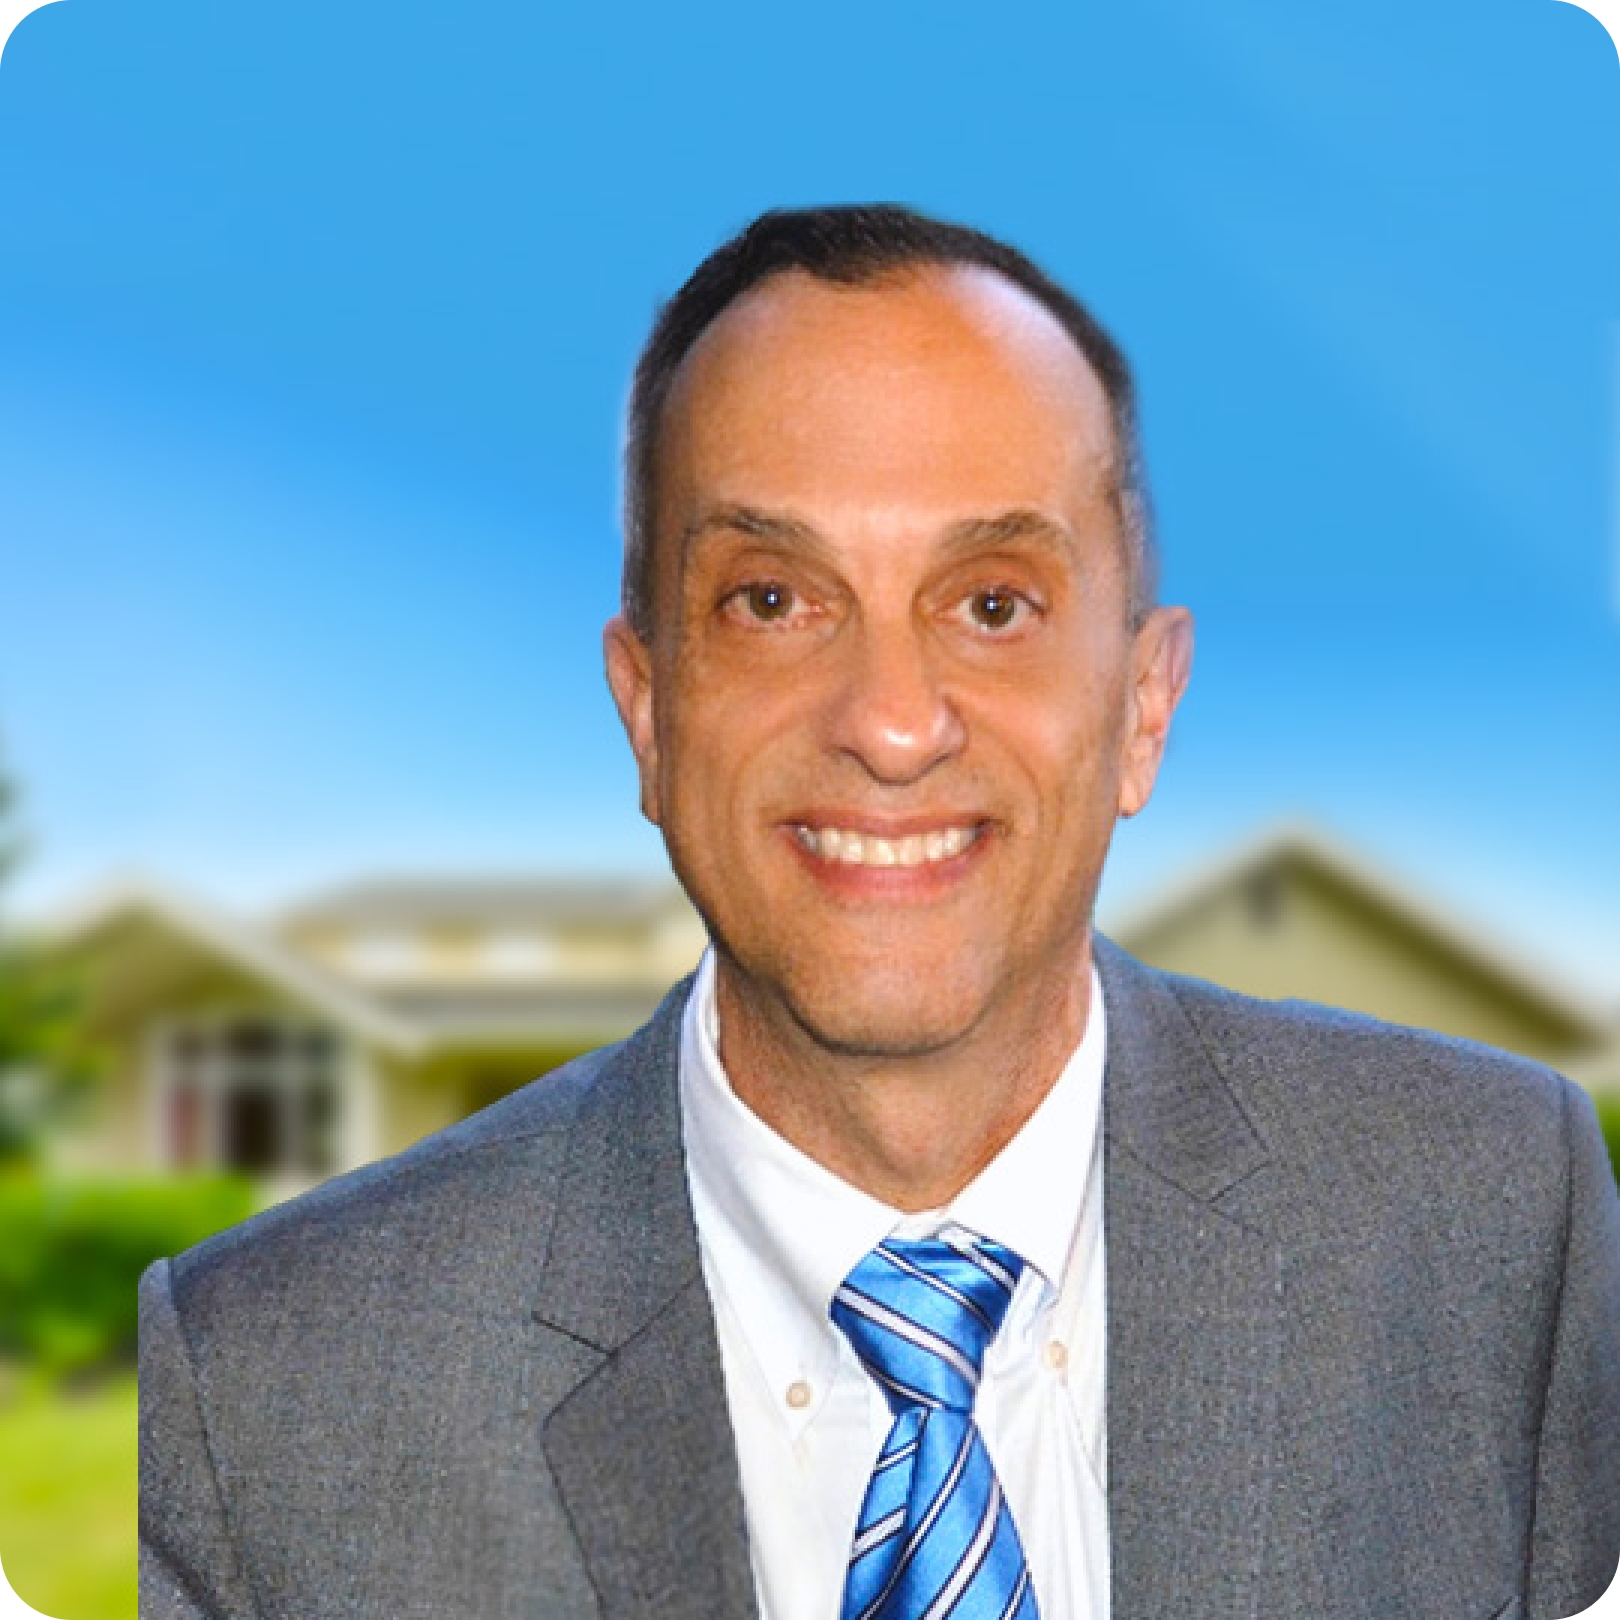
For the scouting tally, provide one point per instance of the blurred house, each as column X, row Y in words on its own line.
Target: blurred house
column 356, row 1024
column 352, row 1026
column 1295, row 914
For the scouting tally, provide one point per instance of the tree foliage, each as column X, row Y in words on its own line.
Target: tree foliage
column 46, row 1065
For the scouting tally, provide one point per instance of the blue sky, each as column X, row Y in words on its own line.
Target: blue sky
column 315, row 322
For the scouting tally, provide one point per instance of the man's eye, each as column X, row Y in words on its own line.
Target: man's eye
column 998, row 608
column 767, row 600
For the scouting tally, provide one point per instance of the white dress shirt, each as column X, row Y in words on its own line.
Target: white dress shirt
column 779, row 1232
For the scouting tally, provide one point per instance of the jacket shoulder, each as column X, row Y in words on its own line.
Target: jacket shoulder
column 1248, row 1031
column 1361, row 1090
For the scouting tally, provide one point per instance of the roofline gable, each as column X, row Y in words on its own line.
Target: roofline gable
column 1463, row 938
column 249, row 949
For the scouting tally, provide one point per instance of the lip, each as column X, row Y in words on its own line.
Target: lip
column 885, row 826
column 929, row 880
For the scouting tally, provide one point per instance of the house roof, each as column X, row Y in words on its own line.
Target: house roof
column 250, row 950
column 1304, row 845
column 540, row 901
column 473, row 1016
column 411, row 1020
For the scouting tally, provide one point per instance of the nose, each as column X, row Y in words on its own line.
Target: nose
column 891, row 710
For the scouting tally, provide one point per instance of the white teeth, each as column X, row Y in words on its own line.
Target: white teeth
column 866, row 849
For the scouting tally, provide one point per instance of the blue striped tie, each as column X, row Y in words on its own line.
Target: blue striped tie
column 935, row 1537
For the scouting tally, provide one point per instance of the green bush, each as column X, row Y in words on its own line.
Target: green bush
column 1608, row 1112
column 71, row 1254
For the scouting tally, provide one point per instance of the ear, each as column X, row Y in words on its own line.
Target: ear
column 630, row 679
column 1161, row 661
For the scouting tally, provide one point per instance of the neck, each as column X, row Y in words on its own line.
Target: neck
column 910, row 1131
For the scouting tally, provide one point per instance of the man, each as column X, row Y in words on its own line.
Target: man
column 924, row 1256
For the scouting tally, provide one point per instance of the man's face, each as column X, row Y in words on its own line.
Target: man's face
column 894, row 701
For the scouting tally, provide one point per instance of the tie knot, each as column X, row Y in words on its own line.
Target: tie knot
column 921, row 1313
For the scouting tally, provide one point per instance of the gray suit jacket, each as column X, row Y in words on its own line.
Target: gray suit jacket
column 1363, row 1348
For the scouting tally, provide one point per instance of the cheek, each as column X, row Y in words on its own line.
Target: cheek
column 730, row 700
column 714, row 747
column 1071, row 741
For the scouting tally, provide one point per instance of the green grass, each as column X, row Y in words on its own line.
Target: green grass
column 67, row 1498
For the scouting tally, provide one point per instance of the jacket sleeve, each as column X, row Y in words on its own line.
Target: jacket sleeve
column 1575, row 1544
column 189, row 1568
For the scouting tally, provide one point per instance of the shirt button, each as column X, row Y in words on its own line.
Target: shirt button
column 1057, row 1355
column 798, row 1394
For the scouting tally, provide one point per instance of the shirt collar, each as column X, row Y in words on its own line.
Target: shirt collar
column 783, row 1231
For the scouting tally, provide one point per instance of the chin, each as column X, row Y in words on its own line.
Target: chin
column 912, row 1019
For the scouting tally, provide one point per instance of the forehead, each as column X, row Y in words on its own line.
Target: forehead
column 941, row 386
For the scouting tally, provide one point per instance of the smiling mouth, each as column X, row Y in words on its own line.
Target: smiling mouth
column 850, row 848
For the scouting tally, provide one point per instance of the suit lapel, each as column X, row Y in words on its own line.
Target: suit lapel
column 641, row 1448
column 1194, row 1317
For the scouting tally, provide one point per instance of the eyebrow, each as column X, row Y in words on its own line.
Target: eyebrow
column 757, row 525
column 1020, row 525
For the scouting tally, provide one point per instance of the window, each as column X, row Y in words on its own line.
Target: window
column 255, row 1093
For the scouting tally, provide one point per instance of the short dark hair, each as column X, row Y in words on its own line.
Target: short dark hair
column 859, row 245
